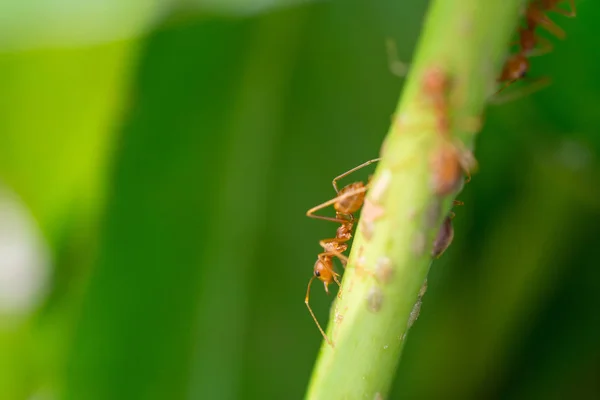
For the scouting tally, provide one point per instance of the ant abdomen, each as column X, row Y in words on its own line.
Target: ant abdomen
column 351, row 203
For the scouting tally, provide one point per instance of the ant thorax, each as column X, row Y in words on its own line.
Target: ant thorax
column 345, row 231
column 335, row 247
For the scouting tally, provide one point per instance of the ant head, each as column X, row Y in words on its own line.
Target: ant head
column 324, row 271
column 523, row 68
column 516, row 67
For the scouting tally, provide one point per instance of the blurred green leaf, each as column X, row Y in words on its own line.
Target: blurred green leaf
column 68, row 23
column 241, row 7
column 58, row 112
column 57, row 115
column 211, row 165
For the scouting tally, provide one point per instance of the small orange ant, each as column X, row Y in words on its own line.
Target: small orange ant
column 517, row 66
column 348, row 201
column 436, row 86
column 448, row 162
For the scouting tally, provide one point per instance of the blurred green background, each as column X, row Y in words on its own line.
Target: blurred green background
column 157, row 159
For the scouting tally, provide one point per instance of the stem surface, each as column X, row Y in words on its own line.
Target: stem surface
column 463, row 43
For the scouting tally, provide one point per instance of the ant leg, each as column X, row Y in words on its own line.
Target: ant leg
column 313, row 314
column 468, row 163
column 310, row 213
column 334, row 274
column 533, row 87
column 343, row 259
column 466, row 160
column 396, row 66
column 570, row 14
column 551, row 27
column 451, row 214
column 468, row 173
column 536, row 16
column 334, row 182
column 505, row 85
column 544, row 48
column 573, row 9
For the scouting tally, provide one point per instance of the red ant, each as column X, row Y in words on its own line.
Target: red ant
column 348, row 201
column 517, row 66
column 448, row 162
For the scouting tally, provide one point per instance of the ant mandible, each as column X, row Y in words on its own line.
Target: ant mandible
column 348, row 201
column 517, row 66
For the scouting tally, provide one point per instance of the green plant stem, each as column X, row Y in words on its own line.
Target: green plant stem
column 464, row 40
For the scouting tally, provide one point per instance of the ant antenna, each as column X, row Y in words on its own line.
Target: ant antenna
column 350, row 171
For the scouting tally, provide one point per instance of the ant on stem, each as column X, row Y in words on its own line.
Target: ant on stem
column 448, row 162
column 517, row 66
column 349, row 200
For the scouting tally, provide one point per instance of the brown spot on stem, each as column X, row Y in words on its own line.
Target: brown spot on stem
column 384, row 269
column 371, row 211
column 414, row 314
column 374, row 299
column 379, row 188
column 418, row 245
column 367, row 227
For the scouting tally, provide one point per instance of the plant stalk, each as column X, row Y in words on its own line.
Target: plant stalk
column 458, row 59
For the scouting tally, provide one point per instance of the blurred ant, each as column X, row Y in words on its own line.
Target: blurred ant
column 535, row 15
column 448, row 162
column 395, row 65
column 348, row 201
column 517, row 66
